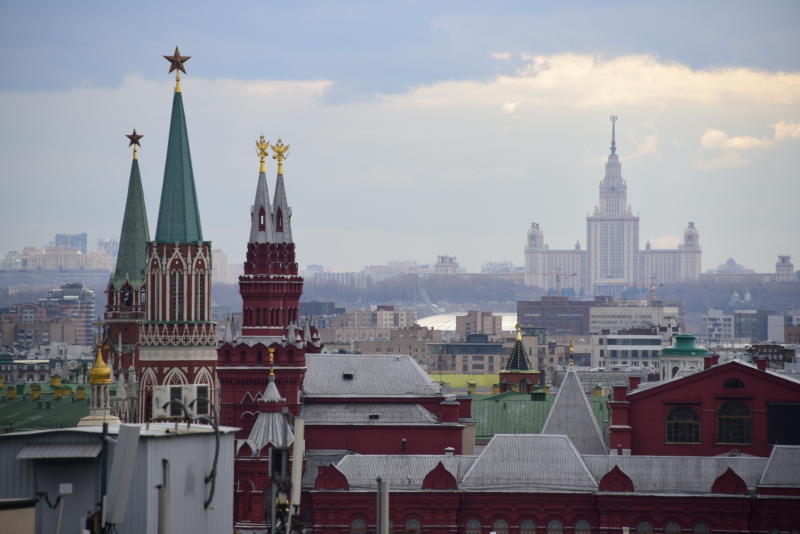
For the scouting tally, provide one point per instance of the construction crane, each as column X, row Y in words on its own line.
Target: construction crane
column 558, row 276
column 651, row 290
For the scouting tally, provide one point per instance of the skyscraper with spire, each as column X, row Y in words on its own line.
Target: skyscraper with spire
column 177, row 353
column 612, row 261
column 612, row 232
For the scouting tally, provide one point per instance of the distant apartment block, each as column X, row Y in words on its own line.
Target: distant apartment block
column 58, row 258
column 73, row 241
column 446, row 265
column 220, row 273
column 784, row 269
column 717, row 326
column 74, row 301
column 478, row 322
column 110, row 246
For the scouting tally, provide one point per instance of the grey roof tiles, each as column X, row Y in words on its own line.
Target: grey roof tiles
column 572, row 415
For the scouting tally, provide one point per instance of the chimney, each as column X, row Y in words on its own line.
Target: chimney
column 633, row 382
column 761, row 362
column 710, row 361
column 619, row 449
column 448, row 411
column 620, row 392
column 449, row 451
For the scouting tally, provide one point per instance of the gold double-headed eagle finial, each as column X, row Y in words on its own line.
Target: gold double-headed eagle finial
column 279, row 155
column 262, row 146
column 271, row 358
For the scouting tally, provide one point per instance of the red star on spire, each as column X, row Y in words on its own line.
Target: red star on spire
column 176, row 61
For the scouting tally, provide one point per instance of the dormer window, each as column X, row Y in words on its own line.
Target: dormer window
column 262, row 225
column 279, row 220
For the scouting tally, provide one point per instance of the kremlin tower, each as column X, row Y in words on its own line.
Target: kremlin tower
column 126, row 289
column 177, row 338
column 261, row 365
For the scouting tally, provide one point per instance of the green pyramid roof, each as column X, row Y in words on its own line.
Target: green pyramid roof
column 178, row 214
column 132, row 255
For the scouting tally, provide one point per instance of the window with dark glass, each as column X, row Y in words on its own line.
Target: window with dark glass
column 473, row 526
column 582, row 527
column 733, row 383
column 202, row 400
column 527, row 527
column 555, row 527
column 734, row 423
column 500, row 526
column 701, row 528
column 782, row 427
column 358, row 526
column 175, row 394
column 683, row 425
column 672, row 528
column 644, row 528
column 413, row 527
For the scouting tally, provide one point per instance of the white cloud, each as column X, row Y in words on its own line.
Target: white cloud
column 510, row 107
column 415, row 167
column 713, row 139
column 786, row 130
column 500, row 55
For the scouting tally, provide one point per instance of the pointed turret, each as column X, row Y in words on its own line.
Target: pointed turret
column 572, row 416
column 178, row 214
column 261, row 229
column 518, row 361
column 613, row 191
column 132, row 255
column 282, row 213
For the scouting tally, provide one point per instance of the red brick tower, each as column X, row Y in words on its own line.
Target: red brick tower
column 266, row 357
column 126, row 291
column 177, row 352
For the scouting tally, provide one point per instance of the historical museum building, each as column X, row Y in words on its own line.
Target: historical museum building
column 733, row 406
column 612, row 260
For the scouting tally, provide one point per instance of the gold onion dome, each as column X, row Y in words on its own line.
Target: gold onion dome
column 100, row 373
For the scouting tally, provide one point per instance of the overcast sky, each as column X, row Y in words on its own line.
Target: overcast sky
column 416, row 128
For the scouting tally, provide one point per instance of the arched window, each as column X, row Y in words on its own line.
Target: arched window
column 176, row 290
column 555, row 527
column 127, row 296
column 473, row 527
column 672, row 528
column 733, row 383
column 413, row 527
column 261, row 223
column 582, row 527
column 358, row 526
column 200, row 297
column 734, row 423
column 683, row 425
column 527, row 527
column 701, row 528
column 644, row 528
column 500, row 526
column 279, row 221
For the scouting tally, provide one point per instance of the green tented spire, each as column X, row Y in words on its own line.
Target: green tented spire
column 132, row 255
column 178, row 214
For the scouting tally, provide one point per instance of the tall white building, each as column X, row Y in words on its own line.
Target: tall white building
column 612, row 260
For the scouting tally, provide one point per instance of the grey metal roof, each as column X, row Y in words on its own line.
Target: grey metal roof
column 403, row 472
column 783, row 467
column 316, row 458
column 368, row 413
column 572, row 415
column 269, row 427
column 677, row 474
column 529, row 463
column 366, row 375
column 49, row 451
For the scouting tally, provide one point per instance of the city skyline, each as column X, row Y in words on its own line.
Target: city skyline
column 428, row 161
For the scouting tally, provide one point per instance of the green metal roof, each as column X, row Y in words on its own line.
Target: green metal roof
column 178, row 214
column 24, row 413
column 684, row 346
column 516, row 413
column 132, row 255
